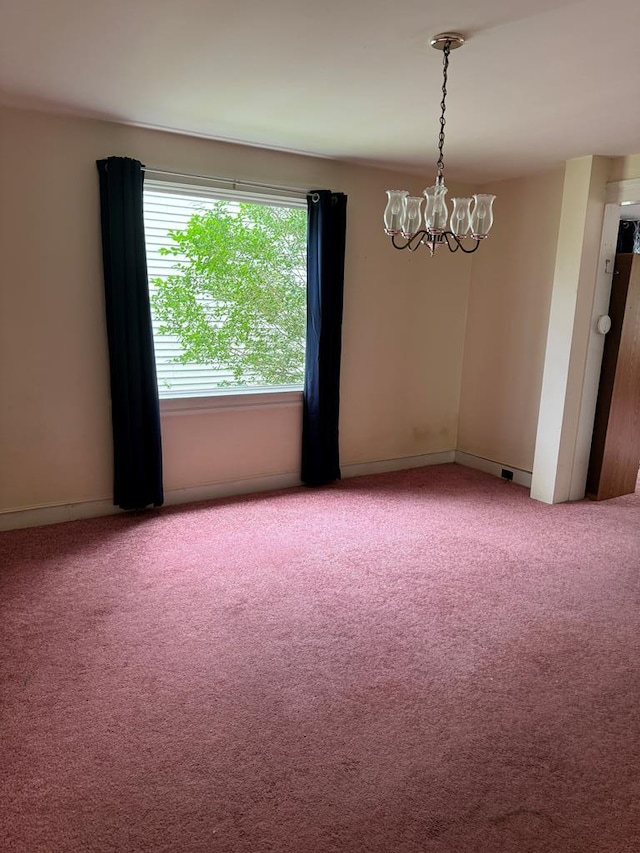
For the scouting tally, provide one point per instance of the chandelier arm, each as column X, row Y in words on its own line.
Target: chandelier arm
column 395, row 245
column 412, row 242
column 470, row 251
column 459, row 244
column 417, row 240
column 446, row 235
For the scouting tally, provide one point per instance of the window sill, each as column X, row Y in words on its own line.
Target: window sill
column 229, row 401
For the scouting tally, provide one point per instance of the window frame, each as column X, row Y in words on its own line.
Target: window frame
column 238, row 397
column 231, row 401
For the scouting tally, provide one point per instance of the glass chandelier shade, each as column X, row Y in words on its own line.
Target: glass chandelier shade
column 412, row 219
column 469, row 217
column 482, row 216
column 460, row 217
column 395, row 210
column 436, row 213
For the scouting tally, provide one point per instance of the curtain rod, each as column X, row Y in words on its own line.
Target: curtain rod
column 232, row 181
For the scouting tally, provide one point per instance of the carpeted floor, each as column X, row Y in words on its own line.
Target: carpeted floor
column 419, row 662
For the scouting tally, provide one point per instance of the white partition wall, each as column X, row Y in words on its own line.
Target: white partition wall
column 567, row 350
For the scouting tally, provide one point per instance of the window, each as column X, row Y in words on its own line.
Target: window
column 227, row 282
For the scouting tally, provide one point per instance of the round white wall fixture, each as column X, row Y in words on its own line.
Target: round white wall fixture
column 603, row 324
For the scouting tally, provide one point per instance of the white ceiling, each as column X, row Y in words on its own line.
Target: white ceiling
column 539, row 81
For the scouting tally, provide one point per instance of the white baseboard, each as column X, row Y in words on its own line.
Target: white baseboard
column 211, row 491
column 382, row 466
column 37, row 516
column 522, row 478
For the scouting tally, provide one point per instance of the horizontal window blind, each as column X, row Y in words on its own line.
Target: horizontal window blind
column 166, row 210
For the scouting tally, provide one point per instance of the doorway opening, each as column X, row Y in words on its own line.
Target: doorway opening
column 607, row 454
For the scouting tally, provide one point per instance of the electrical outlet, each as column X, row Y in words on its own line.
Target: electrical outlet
column 506, row 474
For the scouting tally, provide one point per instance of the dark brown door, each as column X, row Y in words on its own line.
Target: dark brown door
column 615, row 448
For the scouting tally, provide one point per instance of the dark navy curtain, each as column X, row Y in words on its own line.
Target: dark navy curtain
column 135, row 412
column 327, row 224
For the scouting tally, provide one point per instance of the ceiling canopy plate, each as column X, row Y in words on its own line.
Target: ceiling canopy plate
column 454, row 40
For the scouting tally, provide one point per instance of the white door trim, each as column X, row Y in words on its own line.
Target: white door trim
column 617, row 193
column 623, row 192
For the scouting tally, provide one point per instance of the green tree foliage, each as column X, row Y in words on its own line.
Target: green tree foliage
column 237, row 297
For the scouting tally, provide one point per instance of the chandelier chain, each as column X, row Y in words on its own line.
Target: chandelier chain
column 443, row 106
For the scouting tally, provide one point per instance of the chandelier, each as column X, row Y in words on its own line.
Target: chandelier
column 403, row 216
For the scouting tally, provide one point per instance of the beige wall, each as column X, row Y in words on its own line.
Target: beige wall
column 403, row 336
column 625, row 168
column 508, row 313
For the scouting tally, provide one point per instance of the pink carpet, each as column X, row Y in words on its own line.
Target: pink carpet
column 420, row 661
